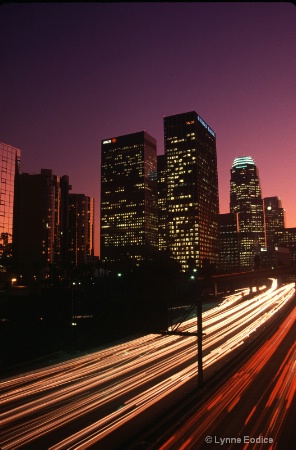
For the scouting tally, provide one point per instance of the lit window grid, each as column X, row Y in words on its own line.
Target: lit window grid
column 183, row 160
column 129, row 200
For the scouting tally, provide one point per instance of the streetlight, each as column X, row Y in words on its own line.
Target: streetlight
column 199, row 342
column 72, row 305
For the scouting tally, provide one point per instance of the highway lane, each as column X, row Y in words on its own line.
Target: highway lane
column 248, row 411
column 120, row 382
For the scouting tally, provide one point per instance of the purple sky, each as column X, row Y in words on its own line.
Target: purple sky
column 73, row 74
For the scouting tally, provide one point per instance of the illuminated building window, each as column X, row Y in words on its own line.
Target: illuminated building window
column 128, row 197
column 246, row 201
column 192, row 187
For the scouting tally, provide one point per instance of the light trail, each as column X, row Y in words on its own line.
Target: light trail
column 193, row 433
column 137, row 374
column 270, row 421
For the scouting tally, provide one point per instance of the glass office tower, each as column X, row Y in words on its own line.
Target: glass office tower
column 9, row 168
column 245, row 199
column 128, row 198
column 192, row 190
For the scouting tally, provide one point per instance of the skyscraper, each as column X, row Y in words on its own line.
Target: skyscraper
column 245, row 199
column 192, row 189
column 128, row 197
column 81, row 229
column 228, row 242
column 161, row 202
column 274, row 219
column 9, row 168
column 41, row 224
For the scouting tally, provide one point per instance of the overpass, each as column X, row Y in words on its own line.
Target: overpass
column 231, row 281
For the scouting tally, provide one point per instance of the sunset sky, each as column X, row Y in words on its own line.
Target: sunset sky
column 73, row 74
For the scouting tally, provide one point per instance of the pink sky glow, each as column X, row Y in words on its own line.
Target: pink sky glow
column 73, row 74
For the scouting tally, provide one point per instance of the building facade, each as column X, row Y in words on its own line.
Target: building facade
column 81, row 229
column 192, row 190
column 287, row 238
column 41, row 227
column 246, row 201
column 228, row 242
column 274, row 215
column 9, row 168
column 129, row 227
column 161, row 202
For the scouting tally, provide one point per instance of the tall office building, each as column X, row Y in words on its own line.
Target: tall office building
column 64, row 189
column 81, row 229
column 128, row 197
column 40, row 227
column 274, row 219
column 245, row 199
column 9, row 168
column 161, row 201
column 228, row 242
column 192, row 189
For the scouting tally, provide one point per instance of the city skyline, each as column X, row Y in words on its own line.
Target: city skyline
column 77, row 73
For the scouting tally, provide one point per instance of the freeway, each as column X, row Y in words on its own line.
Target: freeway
column 82, row 402
column 251, row 408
